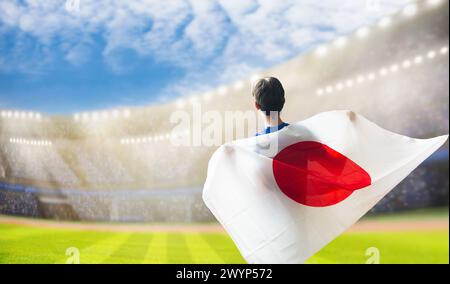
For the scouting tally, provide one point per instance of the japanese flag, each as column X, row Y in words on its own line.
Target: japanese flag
column 285, row 195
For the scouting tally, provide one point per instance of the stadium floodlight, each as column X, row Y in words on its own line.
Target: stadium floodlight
column 339, row 86
column 361, row 79
column 383, row 71
column 319, row 92
column 444, row 50
column 340, row 42
column 363, row 32
column 385, row 22
column 434, row 2
column 223, row 90
column 431, row 54
column 238, row 85
column 329, row 89
column 321, row 51
column 418, row 59
column 410, row 10
column 406, row 64
column 371, row 76
column 394, row 67
column 349, row 83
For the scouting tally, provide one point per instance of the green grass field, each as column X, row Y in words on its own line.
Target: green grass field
column 30, row 244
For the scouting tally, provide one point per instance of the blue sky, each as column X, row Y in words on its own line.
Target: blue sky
column 64, row 56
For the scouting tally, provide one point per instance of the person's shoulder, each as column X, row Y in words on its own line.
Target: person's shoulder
column 283, row 125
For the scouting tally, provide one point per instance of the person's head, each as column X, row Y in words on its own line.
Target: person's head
column 269, row 95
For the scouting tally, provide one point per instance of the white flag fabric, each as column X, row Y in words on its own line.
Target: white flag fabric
column 283, row 204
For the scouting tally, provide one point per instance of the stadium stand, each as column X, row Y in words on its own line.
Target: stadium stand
column 119, row 164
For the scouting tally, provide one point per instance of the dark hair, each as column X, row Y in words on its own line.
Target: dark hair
column 269, row 94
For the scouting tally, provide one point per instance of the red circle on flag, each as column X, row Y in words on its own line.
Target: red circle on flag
column 313, row 174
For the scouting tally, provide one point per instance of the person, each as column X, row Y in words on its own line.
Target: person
column 269, row 98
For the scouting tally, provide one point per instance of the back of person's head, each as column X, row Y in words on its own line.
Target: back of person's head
column 269, row 94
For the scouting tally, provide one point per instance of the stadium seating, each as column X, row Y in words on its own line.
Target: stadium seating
column 120, row 164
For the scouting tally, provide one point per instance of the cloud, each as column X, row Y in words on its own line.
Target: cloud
column 212, row 41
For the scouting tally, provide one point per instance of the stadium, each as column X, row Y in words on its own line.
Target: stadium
column 111, row 184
